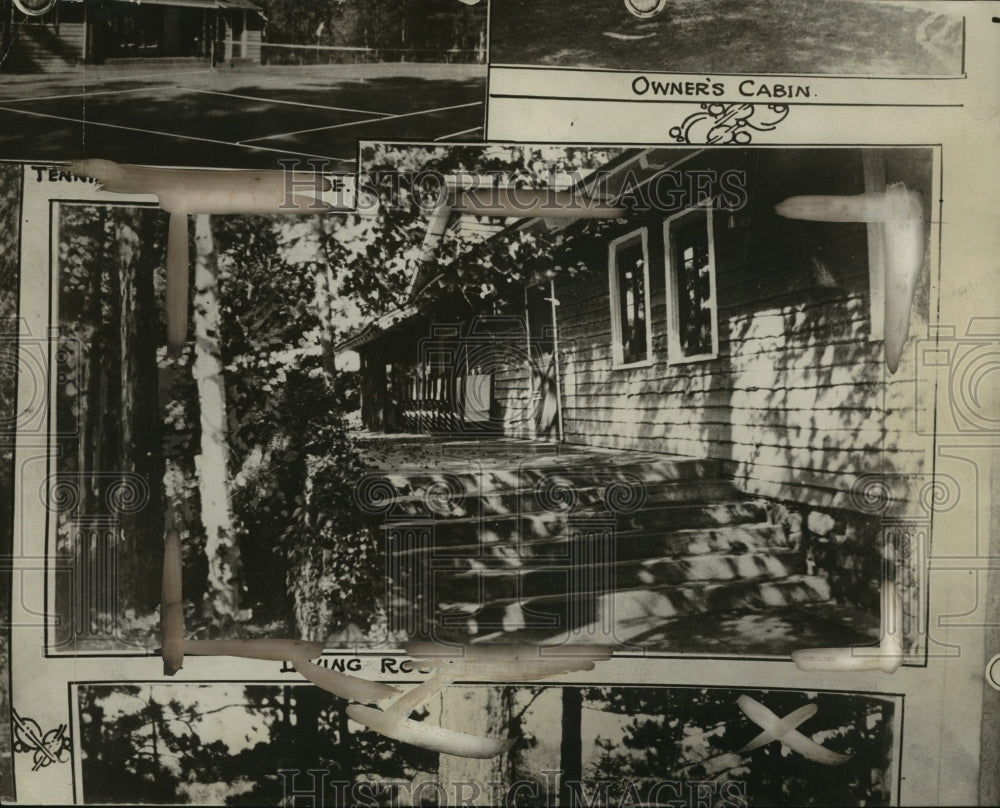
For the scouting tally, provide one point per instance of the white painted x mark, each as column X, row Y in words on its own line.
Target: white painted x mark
column 784, row 730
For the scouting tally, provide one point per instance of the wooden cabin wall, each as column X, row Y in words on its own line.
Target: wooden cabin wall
column 59, row 41
column 512, row 396
column 252, row 45
column 797, row 398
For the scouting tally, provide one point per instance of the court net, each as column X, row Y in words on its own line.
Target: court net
column 272, row 53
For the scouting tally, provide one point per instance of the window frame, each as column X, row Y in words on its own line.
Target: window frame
column 618, row 362
column 675, row 355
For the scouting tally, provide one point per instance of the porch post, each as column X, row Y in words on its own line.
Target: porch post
column 532, row 427
column 374, row 393
column 555, row 359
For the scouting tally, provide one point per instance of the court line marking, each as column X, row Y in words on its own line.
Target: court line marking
column 86, row 93
column 322, row 128
column 292, row 103
column 149, row 77
column 358, row 123
column 171, row 134
column 456, row 134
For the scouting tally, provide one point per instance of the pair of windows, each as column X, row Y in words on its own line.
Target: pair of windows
column 692, row 315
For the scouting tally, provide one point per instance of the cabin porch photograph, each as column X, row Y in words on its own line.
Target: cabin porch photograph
column 675, row 428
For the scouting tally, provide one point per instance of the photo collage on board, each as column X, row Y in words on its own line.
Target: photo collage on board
column 498, row 402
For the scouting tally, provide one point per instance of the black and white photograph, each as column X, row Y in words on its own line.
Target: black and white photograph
column 237, row 83
column 614, row 423
column 901, row 38
column 419, row 421
column 10, row 200
column 271, row 744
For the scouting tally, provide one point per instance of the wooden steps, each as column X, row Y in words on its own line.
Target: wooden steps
column 552, row 614
column 446, row 532
column 471, row 581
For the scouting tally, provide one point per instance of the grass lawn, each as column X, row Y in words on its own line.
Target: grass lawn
column 869, row 37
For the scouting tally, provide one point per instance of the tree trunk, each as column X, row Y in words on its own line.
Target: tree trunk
column 222, row 596
column 309, row 747
column 141, row 451
column 326, row 294
column 571, row 748
column 484, row 711
column 90, row 377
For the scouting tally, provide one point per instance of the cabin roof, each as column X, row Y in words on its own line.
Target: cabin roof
column 370, row 331
column 631, row 162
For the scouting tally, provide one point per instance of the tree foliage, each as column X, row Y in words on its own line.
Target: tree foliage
column 107, row 420
column 289, row 289
column 226, row 744
column 424, row 28
column 10, row 213
column 408, row 183
column 293, row 462
column 692, row 734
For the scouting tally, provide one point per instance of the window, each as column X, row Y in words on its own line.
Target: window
column 628, row 277
column 692, row 316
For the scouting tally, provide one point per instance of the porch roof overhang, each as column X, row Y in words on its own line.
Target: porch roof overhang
column 642, row 164
column 377, row 328
column 645, row 163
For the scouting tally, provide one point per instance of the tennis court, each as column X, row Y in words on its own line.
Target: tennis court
column 247, row 116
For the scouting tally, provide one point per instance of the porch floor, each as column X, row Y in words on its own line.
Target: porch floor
column 392, row 451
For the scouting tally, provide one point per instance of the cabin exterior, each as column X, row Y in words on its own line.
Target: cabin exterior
column 717, row 330
column 95, row 32
column 704, row 326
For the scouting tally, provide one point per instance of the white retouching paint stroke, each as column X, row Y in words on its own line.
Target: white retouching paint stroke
column 184, row 191
column 902, row 212
column 448, row 663
column 783, row 730
column 887, row 656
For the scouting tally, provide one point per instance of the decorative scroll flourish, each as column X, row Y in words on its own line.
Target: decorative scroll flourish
column 46, row 748
column 719, row 123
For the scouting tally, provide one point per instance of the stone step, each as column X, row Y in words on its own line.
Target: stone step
column 625, row 545
column 744, row 633
column 456, row 581
column 581, row 470
column 552, row 614
column 413, row 533
column 613, row 496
